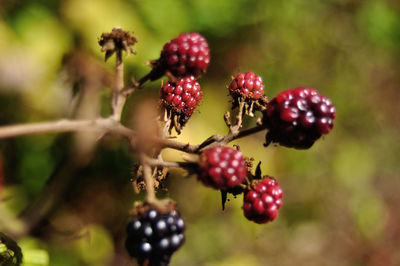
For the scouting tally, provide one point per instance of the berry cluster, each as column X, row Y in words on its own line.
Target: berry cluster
column 188, row 54
column 153, row 236
column 262, row 203
column 222, row 167
column 295, row 118
column 180, row 98
column 298, row 117
column 248, row 86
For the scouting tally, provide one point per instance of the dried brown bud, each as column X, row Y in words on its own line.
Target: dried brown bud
column 116, row 41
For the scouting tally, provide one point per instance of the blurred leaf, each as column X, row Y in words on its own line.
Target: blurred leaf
column 35, row 257
column 353, row 165
column 36, row 163
column 380, row 22
column 97, row 247
column 369, row 214
column 168, row 24
column 236, row 260
column 42, row 34
column 221, row 17
column 16, row 199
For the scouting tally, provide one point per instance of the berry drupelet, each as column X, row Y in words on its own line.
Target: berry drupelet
column 298, row 117
column 153, row 236
column 222, row 167
column 188, row 54
column 261, row 204
column 179, row 99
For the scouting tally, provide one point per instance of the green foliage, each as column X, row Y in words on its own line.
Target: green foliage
column 380, row 22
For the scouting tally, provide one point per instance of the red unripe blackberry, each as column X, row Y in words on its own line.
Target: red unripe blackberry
column 222, row 167
column 262, row 203
column 248, row 86
column 181, row 98
column 154, row 236
column 298, row 117
column 188, row 54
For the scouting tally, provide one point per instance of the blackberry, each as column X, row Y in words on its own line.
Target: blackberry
column 298, row 117
column 248, row 86
column 180, row 98
column 262, row 203
column 153, row 236
column 248, row 89
column 188, row 54
column 222, row 167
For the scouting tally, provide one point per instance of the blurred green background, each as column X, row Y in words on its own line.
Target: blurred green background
column 341, row 201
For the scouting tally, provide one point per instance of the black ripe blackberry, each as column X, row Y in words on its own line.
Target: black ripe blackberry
column 153, row 236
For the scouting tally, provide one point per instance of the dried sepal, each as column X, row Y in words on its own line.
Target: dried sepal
column 250, row 106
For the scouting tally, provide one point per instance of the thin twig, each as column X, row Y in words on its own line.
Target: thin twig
column 164, row 135
column 162, row 163
column 250, row 131
column 63, row 125
column 239, row 120
column 136, row 85
column 117, row 99
column 176, row 145
column 234, row 131
column 212, row 141
column 148, row 179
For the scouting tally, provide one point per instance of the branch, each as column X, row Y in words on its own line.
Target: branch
column 176, row 145
column 212, row 141
column 136, row 84
column 234, row 131
column 65, row 125
column 148, row 179
column 250, row 131
column 161, row 163
column 109, row 125
column 117, row 99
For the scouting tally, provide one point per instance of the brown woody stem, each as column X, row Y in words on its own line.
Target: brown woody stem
column 64, row 125
column 117, row 99
column 161, row 163
column 148, row 179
